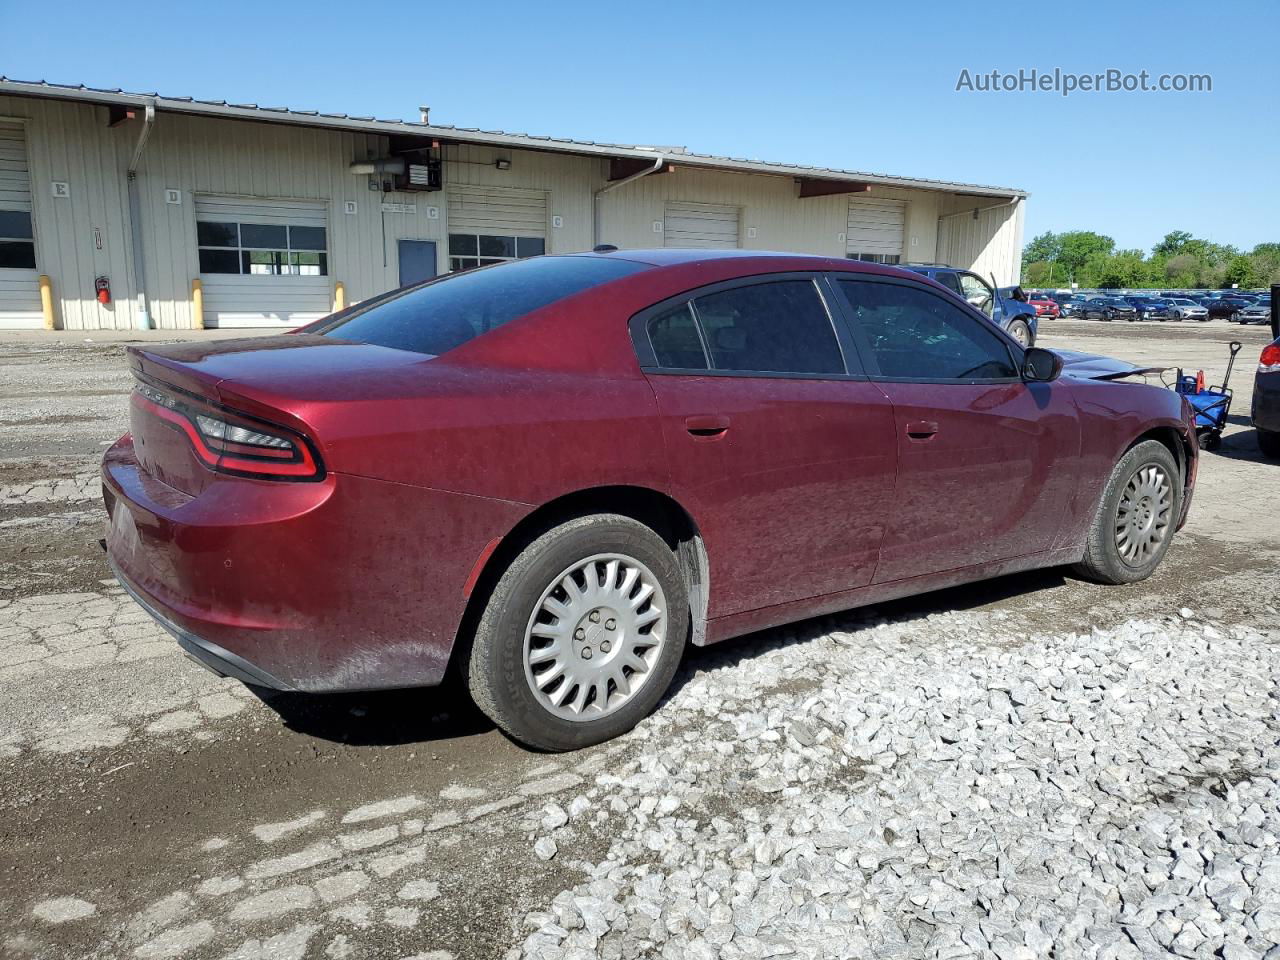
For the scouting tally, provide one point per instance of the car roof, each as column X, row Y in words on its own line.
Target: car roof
column 753, row 261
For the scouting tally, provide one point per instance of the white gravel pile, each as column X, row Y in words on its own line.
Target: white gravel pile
column 940, row 788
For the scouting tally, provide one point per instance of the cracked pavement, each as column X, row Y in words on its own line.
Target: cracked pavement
column 850, row 786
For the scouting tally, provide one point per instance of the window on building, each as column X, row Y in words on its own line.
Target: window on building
column 17, row 242
column 779, row 327
column 470, row 250
column 889, row 258
column 917, row 335
column 262, row 249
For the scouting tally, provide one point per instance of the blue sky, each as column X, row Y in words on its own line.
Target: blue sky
column 857, row 85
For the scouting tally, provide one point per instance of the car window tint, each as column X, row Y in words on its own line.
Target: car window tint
column 675, row 340
column 950, row 281
column 917, row 335
column 779, row 327
column 446, row 313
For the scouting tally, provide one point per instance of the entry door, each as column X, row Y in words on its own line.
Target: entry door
column 786, row 461
column 417, row 261
column 985, row 461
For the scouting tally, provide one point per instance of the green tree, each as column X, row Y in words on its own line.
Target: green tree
column 1078, row 247
column 1172, row 244
column 1239, row 270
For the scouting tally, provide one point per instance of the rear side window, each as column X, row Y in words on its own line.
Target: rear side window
column 446, row 313
column 916, row 335
column 779, row 327
column 676, row 341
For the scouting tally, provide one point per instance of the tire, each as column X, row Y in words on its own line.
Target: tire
column 1019, row 330
column 1269, row 443
column 1106, row 559
column 498, row 671
column 1234, row 318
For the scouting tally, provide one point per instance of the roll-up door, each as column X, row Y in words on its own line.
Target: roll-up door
column 263, row 263
column 700, row 225
column 876, row 230
column 19, row 280
column 491, row 224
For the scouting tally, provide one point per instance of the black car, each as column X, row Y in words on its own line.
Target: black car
column 1108, row 308
column 1071, row 305
column 1266, row 400
column 1228, row 307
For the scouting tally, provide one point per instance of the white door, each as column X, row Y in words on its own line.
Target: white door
column 19, row 280
column 876, row 229
column 491, row 224
column 263, row 263
column 700, row 225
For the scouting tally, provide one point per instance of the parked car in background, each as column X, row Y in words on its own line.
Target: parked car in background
column 1266, row 400
column 1072, row 306
column 1257, row 312
column 1045, row 305
column 1009, row 312
column 1227, row 308
column 1149, row 308
column 1108, row 308
column 1184, row 308
column 553, row 474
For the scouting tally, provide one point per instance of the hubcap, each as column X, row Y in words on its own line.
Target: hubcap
column 1144, row 515
column 595, row 636
column 1021, row 333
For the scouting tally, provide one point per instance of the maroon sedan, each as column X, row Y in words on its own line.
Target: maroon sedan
column 555, row 473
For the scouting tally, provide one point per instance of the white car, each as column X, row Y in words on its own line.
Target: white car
column 1181, row 308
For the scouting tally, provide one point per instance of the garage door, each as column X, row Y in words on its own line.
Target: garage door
column 876, row 229
column 701, row 225
column 491, row 224
column 19, row 281
column 263, row 263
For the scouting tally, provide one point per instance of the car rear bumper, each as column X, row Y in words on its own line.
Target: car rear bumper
column 1266, row 402
column 344, row 584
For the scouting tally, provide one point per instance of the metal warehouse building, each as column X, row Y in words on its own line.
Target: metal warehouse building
column 122, row 210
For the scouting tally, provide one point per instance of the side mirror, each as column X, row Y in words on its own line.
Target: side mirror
column 1040, row 365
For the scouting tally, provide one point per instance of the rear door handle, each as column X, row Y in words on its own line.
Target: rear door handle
column 922, row 429
column 707, row 426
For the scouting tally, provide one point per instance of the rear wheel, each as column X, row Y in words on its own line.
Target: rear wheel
column 1269, row 443
column 581, row 635
column 1135, row 519
column 1020, row 331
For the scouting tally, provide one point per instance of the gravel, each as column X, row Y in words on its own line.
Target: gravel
column 974, row 793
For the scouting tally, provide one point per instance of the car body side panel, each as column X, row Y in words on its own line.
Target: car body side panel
column 988, row 484
column 791, row 499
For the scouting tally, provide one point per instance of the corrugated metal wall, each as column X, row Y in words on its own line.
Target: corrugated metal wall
column 87, row 234
column 989, row 243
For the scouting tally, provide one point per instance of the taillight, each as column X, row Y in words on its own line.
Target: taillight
column 231, row 442
column 1269, row 362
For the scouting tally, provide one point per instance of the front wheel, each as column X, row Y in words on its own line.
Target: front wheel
column 581, row 635
column 1134, row 523
column 1020, row 331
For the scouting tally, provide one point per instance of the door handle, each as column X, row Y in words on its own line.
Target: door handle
column 707, row 426
column 921, row 430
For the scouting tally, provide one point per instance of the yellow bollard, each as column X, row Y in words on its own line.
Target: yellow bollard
column 339, row 296
column 46, row 301
column 197, row 304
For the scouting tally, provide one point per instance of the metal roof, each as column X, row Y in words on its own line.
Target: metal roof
column 495, row 138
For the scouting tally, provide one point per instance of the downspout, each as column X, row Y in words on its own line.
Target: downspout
column 135, row 219
column 596, row 217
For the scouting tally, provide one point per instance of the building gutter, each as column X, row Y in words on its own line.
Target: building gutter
column 596, row 215
column 143, row 317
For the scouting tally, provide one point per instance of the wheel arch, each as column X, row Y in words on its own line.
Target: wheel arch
column 653, row 508
column 1173, row 440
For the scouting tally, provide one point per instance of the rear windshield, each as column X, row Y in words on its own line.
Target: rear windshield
column 448, row 312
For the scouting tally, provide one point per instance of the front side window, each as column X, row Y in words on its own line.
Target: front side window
column 263, row 249
column 17, row 242
column 470, row 250
column 777, row 327
column 436, row 317
column 917, row 335
column 976, row 292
